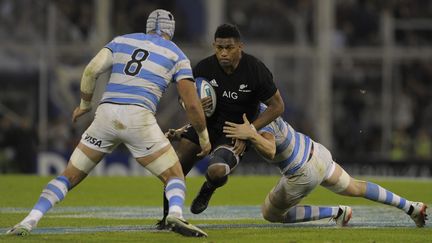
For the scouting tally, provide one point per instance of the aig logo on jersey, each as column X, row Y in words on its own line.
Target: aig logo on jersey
column 92, row 140
column 230, row 94
column 233, row 95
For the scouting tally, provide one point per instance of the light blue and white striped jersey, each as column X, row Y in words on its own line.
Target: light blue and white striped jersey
column 292, row 148
column 143, row 67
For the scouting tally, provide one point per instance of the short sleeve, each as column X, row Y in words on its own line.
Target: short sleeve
column 266, row 86
column 268, row 129
column 183, row 70
column 112, row 45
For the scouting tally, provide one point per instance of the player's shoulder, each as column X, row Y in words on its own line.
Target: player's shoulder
column 253, row 61
column 206, row 67
column 207, row 61
column 129, row 37
column 134, row 35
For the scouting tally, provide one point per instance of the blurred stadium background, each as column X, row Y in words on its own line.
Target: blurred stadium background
column 356, row 75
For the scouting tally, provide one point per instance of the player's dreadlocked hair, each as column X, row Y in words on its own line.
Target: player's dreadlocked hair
column 227, row 31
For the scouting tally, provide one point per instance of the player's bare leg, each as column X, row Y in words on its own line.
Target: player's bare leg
column 82, row 161
column 165, row 165
column 280, row 206
column 342, row 183
column 186, row 152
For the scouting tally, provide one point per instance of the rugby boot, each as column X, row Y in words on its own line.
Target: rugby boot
column 417, row 212
column 161, row 224
column 184, row 228
column 21, row 229
column 200, row 202
column 344, row 215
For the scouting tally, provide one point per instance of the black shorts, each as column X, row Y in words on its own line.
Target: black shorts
column 217, row 137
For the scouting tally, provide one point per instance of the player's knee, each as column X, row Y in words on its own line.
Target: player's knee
column 222, row 162
column 217, row 171
column 270, row 213
column 216, row 181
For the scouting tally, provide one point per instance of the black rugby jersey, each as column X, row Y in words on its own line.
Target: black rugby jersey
column 239, row 92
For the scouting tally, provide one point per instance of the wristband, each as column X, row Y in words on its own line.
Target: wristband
column 203, row 137
column 85, row 105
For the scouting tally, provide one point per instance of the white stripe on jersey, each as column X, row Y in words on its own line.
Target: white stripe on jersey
column 135, row 82
column 122, row 58
column 163, row 51
column 282, row 132
column 183, row 64
column 143, row 67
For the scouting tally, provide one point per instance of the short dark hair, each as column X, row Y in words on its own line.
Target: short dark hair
column 227, row 31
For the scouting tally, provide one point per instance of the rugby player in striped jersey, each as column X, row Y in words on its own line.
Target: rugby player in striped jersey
column 305, row 164
column 142, row 66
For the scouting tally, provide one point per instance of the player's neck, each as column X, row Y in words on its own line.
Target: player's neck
column 163, row 35
column 229, row 70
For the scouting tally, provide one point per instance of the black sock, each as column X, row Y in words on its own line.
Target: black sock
column 165, row 204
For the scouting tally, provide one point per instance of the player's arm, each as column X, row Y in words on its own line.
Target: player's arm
column 175, row 134
column 275, row 108
column 264, row 142
column 98, row 65
column 195, row 113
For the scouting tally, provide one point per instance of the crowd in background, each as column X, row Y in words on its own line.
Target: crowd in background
column 356, row 89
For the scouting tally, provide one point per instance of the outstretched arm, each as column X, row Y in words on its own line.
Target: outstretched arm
column 275, row 108
column 195, row 113
column 264, row 142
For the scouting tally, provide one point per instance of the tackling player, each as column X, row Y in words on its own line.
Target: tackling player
column 304, row 165
column 142, row 66
column 241, row 82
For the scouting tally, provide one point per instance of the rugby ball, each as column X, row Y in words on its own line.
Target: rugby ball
column 204, row 89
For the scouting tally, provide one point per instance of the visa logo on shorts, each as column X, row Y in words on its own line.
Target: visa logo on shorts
column 92, row 140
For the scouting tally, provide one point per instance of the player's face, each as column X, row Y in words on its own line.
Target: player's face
column 228, row 51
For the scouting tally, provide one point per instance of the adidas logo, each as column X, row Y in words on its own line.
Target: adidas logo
column 214, row 83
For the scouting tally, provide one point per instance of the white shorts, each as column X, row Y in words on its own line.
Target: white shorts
column 132, row 125
column 292, row 188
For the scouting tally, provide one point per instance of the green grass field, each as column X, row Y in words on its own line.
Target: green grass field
column 124, row 209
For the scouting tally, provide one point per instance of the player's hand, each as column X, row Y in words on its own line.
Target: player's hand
column 78, row 112
column 175, row 134
column 207, row 104
column 205, row 149
column 240, row 131
column 239, row 146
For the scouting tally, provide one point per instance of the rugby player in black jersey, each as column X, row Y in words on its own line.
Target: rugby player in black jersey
column 241, row 82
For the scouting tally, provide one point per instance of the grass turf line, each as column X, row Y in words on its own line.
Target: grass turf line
column 147, row 191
